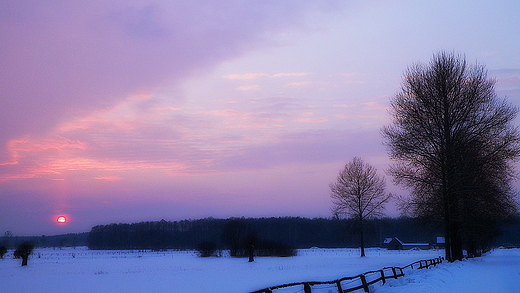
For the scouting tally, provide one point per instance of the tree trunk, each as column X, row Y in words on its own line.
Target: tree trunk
column 447, row 226
column 24, row 260
column 456, row 242
column 251, row 253
column 362, row 238
column 453, row 241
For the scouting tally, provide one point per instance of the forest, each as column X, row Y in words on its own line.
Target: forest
column 293, row 231
column 57, row 241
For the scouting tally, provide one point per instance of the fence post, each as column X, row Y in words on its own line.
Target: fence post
column 338, row 284
column 364, row 282
column 395, row 273
column 383, row 276
column 307, row 288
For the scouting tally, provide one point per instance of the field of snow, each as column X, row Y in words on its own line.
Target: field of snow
column 496, row 272
column 80, row 270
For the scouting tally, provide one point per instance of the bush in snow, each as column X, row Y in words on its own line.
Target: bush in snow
column 273, row 248
column 3, row 251
column 207, row 249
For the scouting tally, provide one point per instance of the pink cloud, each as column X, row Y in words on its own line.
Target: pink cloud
column 246, row 76
column 300, row 84
column 309, row 117
column 249, row 76
column 290, row 74
column 66, row 59
column 109, row 178
column 252, row 87
column 507, row 79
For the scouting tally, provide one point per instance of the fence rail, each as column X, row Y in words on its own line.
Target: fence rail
column 361, row 281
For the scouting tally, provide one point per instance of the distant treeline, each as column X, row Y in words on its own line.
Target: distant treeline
column 63, row 240
column 294, row 231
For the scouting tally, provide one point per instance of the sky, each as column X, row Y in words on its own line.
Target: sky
column 127, row 111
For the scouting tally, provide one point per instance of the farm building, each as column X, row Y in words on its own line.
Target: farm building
column 396, row 244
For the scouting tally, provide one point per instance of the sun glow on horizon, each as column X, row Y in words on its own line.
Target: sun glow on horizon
column 61, row 219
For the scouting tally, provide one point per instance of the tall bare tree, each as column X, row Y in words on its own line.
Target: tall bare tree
column 359, row 193
column 454, row 144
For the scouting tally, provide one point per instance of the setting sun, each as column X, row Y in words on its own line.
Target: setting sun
column 61, row 219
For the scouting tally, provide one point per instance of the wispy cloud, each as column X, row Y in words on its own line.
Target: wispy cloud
column 300, row 84
column 309, row 117
column 250, row 76
column 290, row 74
column 353, row 78
column 173, row 140
column 252, row 87
column 507, row 83
column 87, row 56
column 109, row 178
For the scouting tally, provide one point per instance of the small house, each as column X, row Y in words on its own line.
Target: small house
column 396, row 244
column 393, row 243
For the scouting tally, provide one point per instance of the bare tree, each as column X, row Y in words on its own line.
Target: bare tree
column 359, row 193
column 23, row 251
column 454, row 144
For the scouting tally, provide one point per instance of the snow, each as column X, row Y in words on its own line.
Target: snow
column 498, row 271
column 81, row 270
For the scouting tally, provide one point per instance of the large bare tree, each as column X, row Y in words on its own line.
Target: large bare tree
column 359, row 193
column 454, row 145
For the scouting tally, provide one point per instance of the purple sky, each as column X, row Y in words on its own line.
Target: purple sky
column 125, row 111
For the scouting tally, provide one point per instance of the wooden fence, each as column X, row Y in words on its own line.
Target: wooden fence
column 362, row 281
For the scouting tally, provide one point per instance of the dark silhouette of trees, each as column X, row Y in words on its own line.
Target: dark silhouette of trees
column 273, row 248
column 8, row 235
column 278, row 236
column 454, row 144
column 207, row 249
column 3, row 251
column 360, row 194
column 23, row 251
column 11, row 242
column 239, row 236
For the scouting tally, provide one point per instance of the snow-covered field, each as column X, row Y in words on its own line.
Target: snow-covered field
column 496, row 272
column 80, row 270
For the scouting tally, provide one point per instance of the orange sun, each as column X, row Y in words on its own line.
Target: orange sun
column 61, row 219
